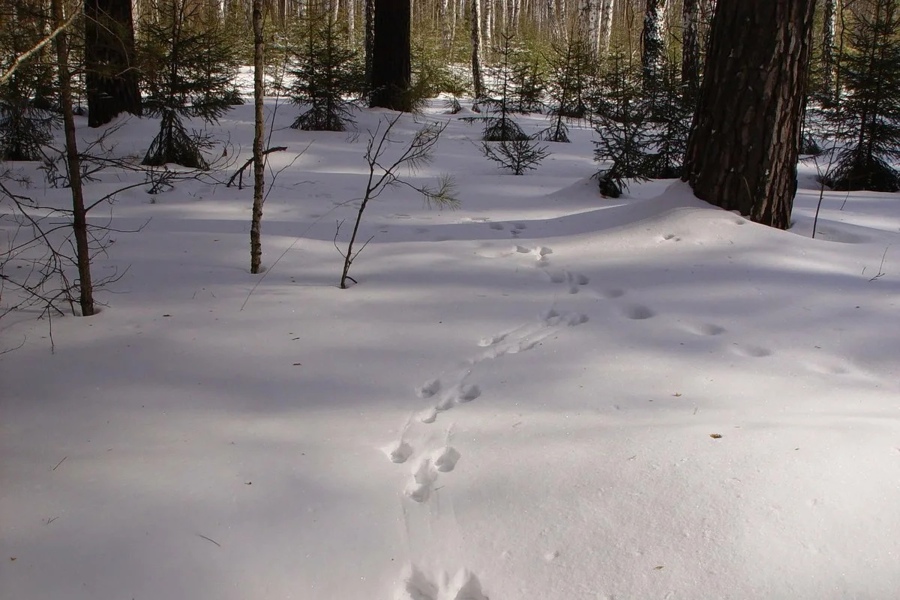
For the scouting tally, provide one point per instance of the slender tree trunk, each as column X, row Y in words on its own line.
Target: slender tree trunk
column 743, row 147
column 73, row 162
column 690, row 49
column 829, row 66
column 606, row 18
column 370, row 41
column 111, row 75
column 391, row 61
column 259, row 181
column 487, row 10
column 478, row 86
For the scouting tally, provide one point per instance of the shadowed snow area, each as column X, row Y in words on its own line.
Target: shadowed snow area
column 545, row 394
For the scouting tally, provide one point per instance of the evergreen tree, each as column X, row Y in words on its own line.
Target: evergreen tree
column 500, row 99
column 570, row 84
column 622, row 126
column 871, row 106
column 326, row 71
column 669, row 117
column 27, row 98
column 188, row 72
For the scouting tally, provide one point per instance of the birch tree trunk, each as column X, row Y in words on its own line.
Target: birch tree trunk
column 652, row 45
column 607, row 8
column 475, row 16
column 743, row 147
column 829, row 66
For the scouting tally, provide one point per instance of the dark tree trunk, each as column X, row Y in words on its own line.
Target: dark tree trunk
column 259, row 182
column 690, row 49
column 370, row 41
column 391, row 70
column 111, row 73
column 73, row 162
column 744, row 142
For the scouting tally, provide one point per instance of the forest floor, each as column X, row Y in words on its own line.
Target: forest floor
column 543, row 395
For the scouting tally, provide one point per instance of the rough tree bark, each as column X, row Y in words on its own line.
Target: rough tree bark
column 743, row 147
column 391, row 60
column 73, row 162
column 111, row 75
column 259, row 182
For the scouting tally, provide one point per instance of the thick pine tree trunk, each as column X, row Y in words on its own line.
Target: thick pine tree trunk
column 743, row 148
column 111, row 75
column 391, row 62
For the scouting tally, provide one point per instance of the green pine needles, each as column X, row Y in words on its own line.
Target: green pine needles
column 189, row 69
column 327, row 71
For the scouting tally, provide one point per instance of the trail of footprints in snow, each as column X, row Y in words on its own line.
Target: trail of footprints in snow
column 417, row 586
column 425, row 471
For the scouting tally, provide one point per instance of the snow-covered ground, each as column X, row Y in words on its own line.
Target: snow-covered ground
column 543, row 395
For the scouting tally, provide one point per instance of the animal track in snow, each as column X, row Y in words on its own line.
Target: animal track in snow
column 539, row 252
column 751, row 351
column 416, row 586
column 429, row 388
column 399, row 452
column 460, row 394
column 496, row 226
column 424, row 476
column 637, row 312
column 670, row 237
column 573, row 280
column 445, row 460
column 705, row 329
column 612, row 293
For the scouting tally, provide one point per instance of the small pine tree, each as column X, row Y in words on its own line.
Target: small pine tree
column 499, row 100
column 623, row 128
column 326, row 72
column 27, row 97
column 570, row 84
column 188, row 72
column 669, row 116
column 516, row 155
column 871, row 106
column 527, row 78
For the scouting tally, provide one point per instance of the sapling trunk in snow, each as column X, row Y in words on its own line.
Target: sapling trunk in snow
column 417, row 153
column 259, row 182
column 79, row 212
